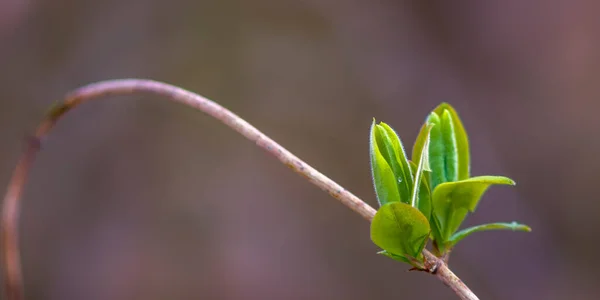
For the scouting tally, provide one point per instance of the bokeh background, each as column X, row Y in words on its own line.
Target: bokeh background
column 138, row 198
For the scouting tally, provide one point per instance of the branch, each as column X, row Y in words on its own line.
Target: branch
column 10, row 215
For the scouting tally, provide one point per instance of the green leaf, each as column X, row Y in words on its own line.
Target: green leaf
column 425, row 205
column 392, row 150
column 450, row 147
column 514, row 226
column 422, row 165
column 437, row 151
column 462, row 140
column 420, row 141
column 384, row 180
column 453, row 200
column 400, row 157
column 400, row 229
column 424, row 196
column 387, row 154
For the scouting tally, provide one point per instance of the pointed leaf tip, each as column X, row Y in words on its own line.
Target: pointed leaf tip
column 384, row 180
column 398, row 161
column 391, row 173
column 422, row 165
column 514, row 226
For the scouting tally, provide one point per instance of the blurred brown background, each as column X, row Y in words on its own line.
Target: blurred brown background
column 144, row 199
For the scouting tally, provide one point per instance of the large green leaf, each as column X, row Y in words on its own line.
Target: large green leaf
column 462, row 140
column 384, row 179
column 400, row 229
column 514, row 226
column 453, row 200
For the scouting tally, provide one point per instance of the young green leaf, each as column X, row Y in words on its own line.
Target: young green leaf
column 514, row 226
column 390, row 146
column 400, row 229
column 437, row 150
column 384, row 179
column 400, row 157
column 422, row 165
column 425, row 205
column 462, row 140
column 386, row 149
column 420, row 141
column 450, row 147
column 424, row 197
column 453, row 200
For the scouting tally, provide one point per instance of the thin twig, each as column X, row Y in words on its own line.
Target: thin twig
column 10, row 215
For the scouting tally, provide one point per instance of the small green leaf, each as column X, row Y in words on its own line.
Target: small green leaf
column 462, row 140
column 422, row 165
column 384, row 180
column 386, row 144
column 453, row 200
column 420, row 142
column 514, row 226
column 450, row 148
column 424, row 197
column 437, row 150
column 393, row 152
column 400, row 229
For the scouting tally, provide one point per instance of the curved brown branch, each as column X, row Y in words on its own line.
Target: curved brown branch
column 10, row 215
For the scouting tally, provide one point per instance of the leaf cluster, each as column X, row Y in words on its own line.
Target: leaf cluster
column 428, row 197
